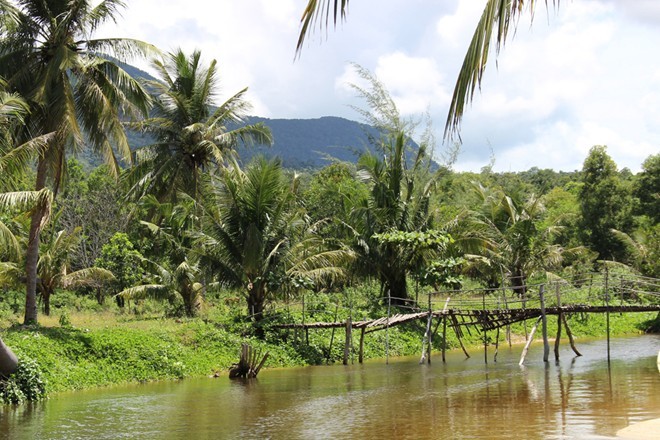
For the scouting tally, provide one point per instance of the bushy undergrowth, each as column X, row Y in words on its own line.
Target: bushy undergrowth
column 82, row 347
column 25, row 385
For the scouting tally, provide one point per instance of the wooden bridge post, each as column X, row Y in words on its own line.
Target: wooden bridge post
column 485, row 334
column 430, row 342
column 361, row 354
column 303, row 320
column 387, row 328
column 444, row 328
column 607, row 313
column 347, row 344
column 332, row 335
column 529, row 341
column 426, row 341
column 570, row 336
column 508, row 326
column 559, row 316
column 444, row 337
column 544, row 322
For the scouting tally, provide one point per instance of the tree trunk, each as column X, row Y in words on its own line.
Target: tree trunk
column 519, row 282
column 191, row 304
column 32, row 253
column 45, row 296
column 395, row 282
column 8, row 360
column 255, row 300
column 255, row 304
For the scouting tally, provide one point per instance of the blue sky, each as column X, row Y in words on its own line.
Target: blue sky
column 585, row 74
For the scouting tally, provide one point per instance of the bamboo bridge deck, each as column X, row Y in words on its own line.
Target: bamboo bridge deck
column 492, row 310
column 484, row 319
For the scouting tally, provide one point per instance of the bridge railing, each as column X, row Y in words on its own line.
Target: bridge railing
column 596, row 289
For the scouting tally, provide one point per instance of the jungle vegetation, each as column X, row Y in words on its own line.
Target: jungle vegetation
column 182, row 217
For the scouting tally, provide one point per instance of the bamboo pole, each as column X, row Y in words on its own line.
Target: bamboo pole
column 347, row 344
column 559, row 315
column 303, row 320
column 387, row 328
column 361, row 354
column 544, row 321
column 529, row 341
column 485, row 333
column 430, row 341
column 607, row 313
column 570, row 335
column 426, row 349
column 332, row 336
column 497, row 344
column 508, row 326
column 444, row 337
column 457, row 331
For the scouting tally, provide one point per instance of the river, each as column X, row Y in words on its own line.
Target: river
column 577, row 397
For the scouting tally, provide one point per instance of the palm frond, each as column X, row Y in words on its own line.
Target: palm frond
column 89, row 277
column 147, row 290
column 496, row 21
column 9, row 244
column 19, row 157
column 319, row 12
column 27, row 201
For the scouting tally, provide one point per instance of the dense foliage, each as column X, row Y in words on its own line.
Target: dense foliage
column 25, row 385
column 193, row 215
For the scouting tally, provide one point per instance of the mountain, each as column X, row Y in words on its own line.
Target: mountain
column 299, row 143
column 312, row 143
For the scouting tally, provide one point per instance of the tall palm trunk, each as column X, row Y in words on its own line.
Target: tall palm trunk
column 255, row 301
column 32, row 253
column 45, row 298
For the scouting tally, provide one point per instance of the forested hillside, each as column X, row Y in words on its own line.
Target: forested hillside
column 299, row 143
column 313, row 143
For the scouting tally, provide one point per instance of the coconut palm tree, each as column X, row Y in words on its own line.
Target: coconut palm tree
column 183, row 281
column 256, row 238
column 174, row 267
column 400, row 186
column 73, row 90
column 190, row 135
column 498, row 18
column 643, row 248
column 21, row 201
column 511, row 240
column 398, row 202
column 53, row 267
column 14, row 158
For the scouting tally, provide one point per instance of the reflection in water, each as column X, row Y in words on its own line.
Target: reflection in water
column 462, row 398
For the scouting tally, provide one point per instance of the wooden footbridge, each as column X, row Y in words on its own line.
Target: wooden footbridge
column 492, row 310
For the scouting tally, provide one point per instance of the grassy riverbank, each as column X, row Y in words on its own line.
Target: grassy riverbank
column 84, row 345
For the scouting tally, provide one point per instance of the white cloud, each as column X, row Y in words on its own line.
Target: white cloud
column 577, row 76
column 451, row 27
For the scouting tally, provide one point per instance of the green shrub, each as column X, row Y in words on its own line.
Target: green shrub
column 25, row 385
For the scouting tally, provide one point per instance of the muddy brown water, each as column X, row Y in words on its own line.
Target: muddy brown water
column 578, row 397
